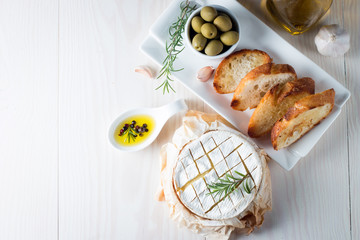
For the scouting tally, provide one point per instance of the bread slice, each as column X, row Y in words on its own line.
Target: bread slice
column 306, row 113
column 235, row 66
column 275, row 104
column 257, row 82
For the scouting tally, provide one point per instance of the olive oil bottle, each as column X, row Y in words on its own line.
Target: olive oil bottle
column 297, row 16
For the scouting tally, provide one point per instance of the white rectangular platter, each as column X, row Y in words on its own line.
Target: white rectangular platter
column 254, row 34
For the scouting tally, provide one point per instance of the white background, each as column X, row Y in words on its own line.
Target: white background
column 66, row 71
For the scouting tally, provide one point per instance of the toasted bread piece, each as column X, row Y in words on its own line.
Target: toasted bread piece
column 235, row 66
column 275, row 104
column 306, row 113
column 257, row 82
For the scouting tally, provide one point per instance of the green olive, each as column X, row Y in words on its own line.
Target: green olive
column 199, row 42
column 196, row 23
column 213, row 48
column 225, row 15
column 223, row 23
column 208, row 13
column 209, row 30
column 229, row 38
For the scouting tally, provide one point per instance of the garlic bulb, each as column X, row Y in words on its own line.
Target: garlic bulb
column 332, row 41
column 205, row 73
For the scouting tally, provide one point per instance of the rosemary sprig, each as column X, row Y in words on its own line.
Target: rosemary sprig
column 175, row 46
column 229, row 184
column 130, row 135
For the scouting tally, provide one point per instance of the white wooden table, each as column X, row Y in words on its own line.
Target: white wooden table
column 66, row 71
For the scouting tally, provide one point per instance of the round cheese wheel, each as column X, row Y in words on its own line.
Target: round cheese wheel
column 219, row 158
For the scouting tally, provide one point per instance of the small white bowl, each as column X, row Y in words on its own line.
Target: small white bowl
column 219, row 9
column 160, row 115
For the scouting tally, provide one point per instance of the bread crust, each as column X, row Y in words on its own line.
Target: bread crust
column 217, row 84
column 295, row 87
column 274, row 101
column 253, row 75
column 301, row 106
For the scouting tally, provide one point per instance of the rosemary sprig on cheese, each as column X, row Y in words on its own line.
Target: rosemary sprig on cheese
column 230, row 183
column 175, row 46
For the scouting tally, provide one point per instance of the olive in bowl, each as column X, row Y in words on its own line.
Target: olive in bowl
column 212, row 32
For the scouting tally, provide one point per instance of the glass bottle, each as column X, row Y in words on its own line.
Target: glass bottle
column 297, row 16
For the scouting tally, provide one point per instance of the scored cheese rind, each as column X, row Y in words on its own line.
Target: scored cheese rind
column 204, row 161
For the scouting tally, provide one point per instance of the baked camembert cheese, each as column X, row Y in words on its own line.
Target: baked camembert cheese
column 215, row 155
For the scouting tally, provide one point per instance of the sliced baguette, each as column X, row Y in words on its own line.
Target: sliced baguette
column 275, row 104
column 306, row 113
column 257, row 82
column 235, row 66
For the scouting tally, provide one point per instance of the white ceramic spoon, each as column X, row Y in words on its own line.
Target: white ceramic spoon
column 160, row 116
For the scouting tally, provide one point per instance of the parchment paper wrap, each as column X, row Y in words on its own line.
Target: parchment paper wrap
column 194, row 125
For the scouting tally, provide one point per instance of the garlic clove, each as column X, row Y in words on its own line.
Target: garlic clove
column 332, row 40
column 145, row 70
column 205, row 73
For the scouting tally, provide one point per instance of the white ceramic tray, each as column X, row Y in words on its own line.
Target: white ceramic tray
column 254, row 34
